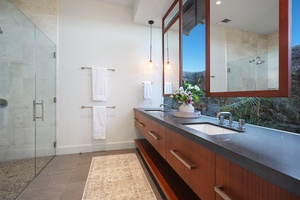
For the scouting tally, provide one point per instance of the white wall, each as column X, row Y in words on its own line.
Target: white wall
column 218, row 64
column 91, row 33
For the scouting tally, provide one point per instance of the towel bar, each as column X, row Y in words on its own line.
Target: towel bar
column 92, row 107
column 91, row 68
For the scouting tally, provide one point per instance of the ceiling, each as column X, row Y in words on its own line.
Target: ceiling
column 251, row 16
column 145, row 10
column 258, row 16
column 126, row 3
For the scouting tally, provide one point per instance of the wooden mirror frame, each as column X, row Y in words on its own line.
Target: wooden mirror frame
column 165, row 30
column 285, row 51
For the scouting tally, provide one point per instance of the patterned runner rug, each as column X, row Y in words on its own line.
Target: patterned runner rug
column 117, row 177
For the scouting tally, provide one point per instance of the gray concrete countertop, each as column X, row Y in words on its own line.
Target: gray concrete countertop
column 272, row 154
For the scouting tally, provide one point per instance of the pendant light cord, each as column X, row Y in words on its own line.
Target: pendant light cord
column 168, row 59
column 150, row 22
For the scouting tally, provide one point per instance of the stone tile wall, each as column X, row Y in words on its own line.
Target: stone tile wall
column 43, row 13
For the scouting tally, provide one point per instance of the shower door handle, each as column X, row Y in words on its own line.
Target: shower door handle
column 34, row 110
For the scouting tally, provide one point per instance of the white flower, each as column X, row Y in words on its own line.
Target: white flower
column 187, row 95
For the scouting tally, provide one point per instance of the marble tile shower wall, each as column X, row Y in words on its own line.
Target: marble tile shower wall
column 17, row 83
column 242, row 47
column 43, row 13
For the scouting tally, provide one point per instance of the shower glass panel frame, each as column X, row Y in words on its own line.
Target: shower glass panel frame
column 45, row 92
column 27, row 78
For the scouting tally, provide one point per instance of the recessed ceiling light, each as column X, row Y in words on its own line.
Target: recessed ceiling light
column 218, row 2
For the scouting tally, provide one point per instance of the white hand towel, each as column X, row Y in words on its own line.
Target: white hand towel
column 99, row 122
column 147, row 90
column 168, row 88
column 99, row 84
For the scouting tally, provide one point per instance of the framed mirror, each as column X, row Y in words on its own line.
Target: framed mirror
column 172, row 61
column 248, row 48
column 171, row 43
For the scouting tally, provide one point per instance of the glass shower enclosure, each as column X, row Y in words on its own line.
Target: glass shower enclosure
column 27, row 100
column 259, row 72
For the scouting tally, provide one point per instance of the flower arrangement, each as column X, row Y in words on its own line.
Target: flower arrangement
column 187, row 94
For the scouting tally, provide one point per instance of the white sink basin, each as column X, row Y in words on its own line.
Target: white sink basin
column 210, row 129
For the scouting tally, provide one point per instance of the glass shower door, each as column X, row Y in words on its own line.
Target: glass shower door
column 27, row 108
column 17, row 81
column 45, row 73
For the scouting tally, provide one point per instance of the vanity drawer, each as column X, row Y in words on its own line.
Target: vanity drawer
column 195, row 164
column 177, row 154
column 156, row 136
column 235, row 182
column 140, row 123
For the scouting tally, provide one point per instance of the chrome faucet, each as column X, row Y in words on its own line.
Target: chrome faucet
column 221, row 116
column 166, row 108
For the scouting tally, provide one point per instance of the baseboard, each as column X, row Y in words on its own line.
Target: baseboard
column 94, row 147
column 120, row 145
column 61, row 150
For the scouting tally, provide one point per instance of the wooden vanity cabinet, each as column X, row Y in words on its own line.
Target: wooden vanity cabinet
column 140, row 123
column 235, row 182
column 194, row 163
column 156, row 136
column 208, row 175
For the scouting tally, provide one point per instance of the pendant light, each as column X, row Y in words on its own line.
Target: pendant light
column 150, row 65
column 168, row 55
column 150, row 22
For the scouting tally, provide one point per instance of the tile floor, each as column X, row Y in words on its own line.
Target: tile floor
column 65, row 176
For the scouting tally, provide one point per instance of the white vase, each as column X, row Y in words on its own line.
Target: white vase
column 186, row 108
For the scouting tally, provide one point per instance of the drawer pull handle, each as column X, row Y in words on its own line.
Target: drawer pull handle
column 141, row 124
column 189, row 166
column 218, row 190
column 153, row 135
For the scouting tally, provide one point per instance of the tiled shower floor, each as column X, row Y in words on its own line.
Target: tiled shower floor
column 16, row 175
